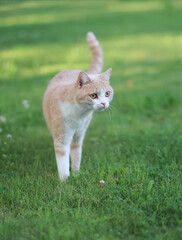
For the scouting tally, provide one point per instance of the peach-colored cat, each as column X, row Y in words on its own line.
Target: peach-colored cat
column 68, row 105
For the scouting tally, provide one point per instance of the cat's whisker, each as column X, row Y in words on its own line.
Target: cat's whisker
column 109, row 111
column 113, row 105
column 110, row 107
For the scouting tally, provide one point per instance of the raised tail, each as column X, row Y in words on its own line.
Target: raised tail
column 97, row 55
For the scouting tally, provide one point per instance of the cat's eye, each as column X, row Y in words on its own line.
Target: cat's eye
column 93, row 95
column 107, row 94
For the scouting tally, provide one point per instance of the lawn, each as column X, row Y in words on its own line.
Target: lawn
column 136, row 149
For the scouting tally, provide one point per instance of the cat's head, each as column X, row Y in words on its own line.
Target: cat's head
column 94, row 91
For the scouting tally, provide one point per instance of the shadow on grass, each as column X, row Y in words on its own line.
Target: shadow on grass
column 118, row 25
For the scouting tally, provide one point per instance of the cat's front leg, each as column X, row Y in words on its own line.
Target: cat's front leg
column 62, row 151
column 76, row 145
column 76, row 152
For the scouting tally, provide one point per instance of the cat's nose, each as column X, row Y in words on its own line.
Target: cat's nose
column 103, row 103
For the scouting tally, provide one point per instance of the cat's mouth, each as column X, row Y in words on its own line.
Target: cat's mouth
column 102, row 109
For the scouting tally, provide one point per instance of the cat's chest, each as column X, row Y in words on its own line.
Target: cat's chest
column 73, row 116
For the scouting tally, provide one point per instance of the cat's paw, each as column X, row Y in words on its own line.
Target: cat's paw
column 75, row 167
column 63, row 177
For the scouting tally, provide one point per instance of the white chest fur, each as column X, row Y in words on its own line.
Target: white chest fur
column 75, row 116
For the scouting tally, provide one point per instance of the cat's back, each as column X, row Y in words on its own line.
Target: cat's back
column 66, row 77
column 59, row 89
column 63, row 82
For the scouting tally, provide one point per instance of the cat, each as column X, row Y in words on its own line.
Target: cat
column 68, row 104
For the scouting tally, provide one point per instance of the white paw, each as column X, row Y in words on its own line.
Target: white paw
column 75, row 168
column 63, row 177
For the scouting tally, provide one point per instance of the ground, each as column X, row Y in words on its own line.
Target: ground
column 136, row 149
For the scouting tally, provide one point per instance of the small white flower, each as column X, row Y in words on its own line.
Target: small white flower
column 26, row 106
column 2, row 119
column 9, row 136
column 1, row 130
column 25, row 103
column 102, row 181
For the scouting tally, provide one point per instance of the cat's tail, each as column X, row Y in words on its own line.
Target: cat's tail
column 97, row 55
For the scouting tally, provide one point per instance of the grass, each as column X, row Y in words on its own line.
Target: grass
column 137, row 151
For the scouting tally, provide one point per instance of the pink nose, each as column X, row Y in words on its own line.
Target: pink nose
column 103, row 103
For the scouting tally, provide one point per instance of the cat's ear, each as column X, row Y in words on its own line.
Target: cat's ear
column 107, row 74
column 83, row 79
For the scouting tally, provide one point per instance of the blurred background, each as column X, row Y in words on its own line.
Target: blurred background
column 141, row 41
column 135, row 148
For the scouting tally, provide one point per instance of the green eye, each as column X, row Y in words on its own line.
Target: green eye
column 93, row 95
column 107, row 94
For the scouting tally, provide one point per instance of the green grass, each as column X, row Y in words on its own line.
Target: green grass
column 137, row 151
